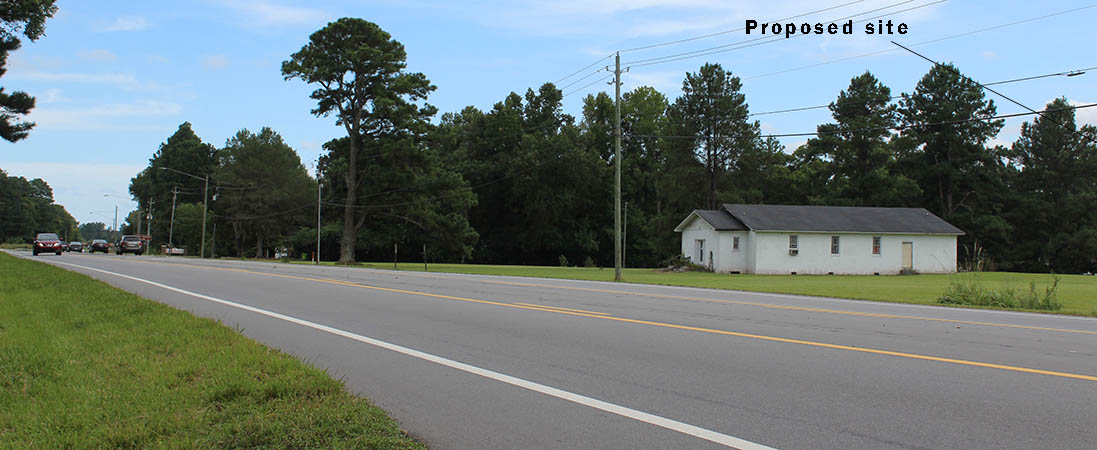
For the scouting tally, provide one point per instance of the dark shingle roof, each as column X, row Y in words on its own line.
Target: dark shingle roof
column 855, row 219
column 720, row 219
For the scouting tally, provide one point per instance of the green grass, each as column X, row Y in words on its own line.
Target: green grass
column 85, row 365
column 1078, row 293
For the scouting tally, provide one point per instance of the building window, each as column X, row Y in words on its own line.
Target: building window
column 792, row 242
column 834, row 245
column 735, row 242
column 876, row 245
column 700, row 250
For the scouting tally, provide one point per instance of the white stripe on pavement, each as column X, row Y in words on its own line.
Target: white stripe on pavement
column 641, row 416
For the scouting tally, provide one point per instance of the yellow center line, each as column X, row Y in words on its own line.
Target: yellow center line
column 566, row 309
column 793, row 308
column 736, row 302
column 962, row 362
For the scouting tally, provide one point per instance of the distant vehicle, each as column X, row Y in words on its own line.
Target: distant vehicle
column 130, row 243
column 99, row 245
column 47, row 243
column 75, row 246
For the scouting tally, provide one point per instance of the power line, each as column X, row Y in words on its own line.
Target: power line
column 679, row 41
column 584, row 68
column 953, row 36
column 894, row 97
column 280, row 213
column 957, row 72
column 573, row 83
column 894, row 128
column 589, row 85
column 767, row 39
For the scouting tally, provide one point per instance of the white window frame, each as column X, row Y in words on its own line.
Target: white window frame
column 700, row 245
column 877, row 245
column 835, row 245
column 793, row 242
column 735, row 243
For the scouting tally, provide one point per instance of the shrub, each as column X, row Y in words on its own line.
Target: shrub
column 563, row 261
column 589, row 262
column 679, row 263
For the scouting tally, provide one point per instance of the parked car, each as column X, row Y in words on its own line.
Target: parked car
column 47, row 243
column 130, row 243
column 99, row 245
column 76, row 246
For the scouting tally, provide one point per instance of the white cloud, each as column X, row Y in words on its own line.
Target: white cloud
column 52, row 95
column 667, row 82
column 215, row 61
column 1084, row 116
column 125, row 23
column 79, row 187
column 124, row 81
column 97, row 55
column 113, row 117
column 263, row 12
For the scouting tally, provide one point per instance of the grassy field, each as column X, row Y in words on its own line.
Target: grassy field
column 1077, row 293
column 85, row 365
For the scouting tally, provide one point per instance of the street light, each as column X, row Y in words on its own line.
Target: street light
column 104, row 215
column 205, row 203
column 115, row 228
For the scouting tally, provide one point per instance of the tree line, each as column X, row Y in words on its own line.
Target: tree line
column 525, row 183
column 27, row 208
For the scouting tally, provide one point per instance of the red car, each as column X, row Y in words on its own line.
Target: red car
column 47, row 243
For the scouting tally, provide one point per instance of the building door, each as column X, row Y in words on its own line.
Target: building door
column 908, row 255
column 700, row 251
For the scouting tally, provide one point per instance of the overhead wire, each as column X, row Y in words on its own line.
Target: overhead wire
column 962, row 76
column 894, row 97
column 589, row 85
column 893, row 128
column 931, row 41
column 761, row 40
column 681, row 41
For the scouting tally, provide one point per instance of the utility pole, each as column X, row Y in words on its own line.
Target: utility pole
column 115, row 220
column 624, row 237
column 148, row 227
column 171, row 228
column 617, row 256
column 205, row 208
column 319, row 189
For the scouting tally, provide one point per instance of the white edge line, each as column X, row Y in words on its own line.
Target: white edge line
column 630, row 413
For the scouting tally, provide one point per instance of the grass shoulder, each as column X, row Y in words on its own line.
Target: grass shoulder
column 85, row 365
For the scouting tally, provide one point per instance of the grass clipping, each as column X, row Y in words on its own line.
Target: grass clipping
column 968, row 290
column 85, row 365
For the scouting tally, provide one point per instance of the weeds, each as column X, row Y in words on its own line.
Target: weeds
column 970, row 291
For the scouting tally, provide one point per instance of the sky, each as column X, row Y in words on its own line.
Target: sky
column 114, row 79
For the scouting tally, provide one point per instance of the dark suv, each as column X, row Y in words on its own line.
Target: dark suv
column 47, row 243
column 99, row 245
column 130, row 243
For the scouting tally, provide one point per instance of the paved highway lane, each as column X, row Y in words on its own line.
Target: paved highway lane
column 533, row 363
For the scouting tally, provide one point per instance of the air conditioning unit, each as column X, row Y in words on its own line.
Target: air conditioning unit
column 793, row 252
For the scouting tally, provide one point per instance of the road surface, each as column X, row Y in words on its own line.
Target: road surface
column 486, row 362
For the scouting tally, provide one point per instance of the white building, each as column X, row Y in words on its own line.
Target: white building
column 780, row 239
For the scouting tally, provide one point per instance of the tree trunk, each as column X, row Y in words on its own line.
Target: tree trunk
column 259, row 246
column 350, row 229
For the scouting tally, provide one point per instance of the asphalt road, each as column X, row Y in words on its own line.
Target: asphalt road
column 482, row 362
